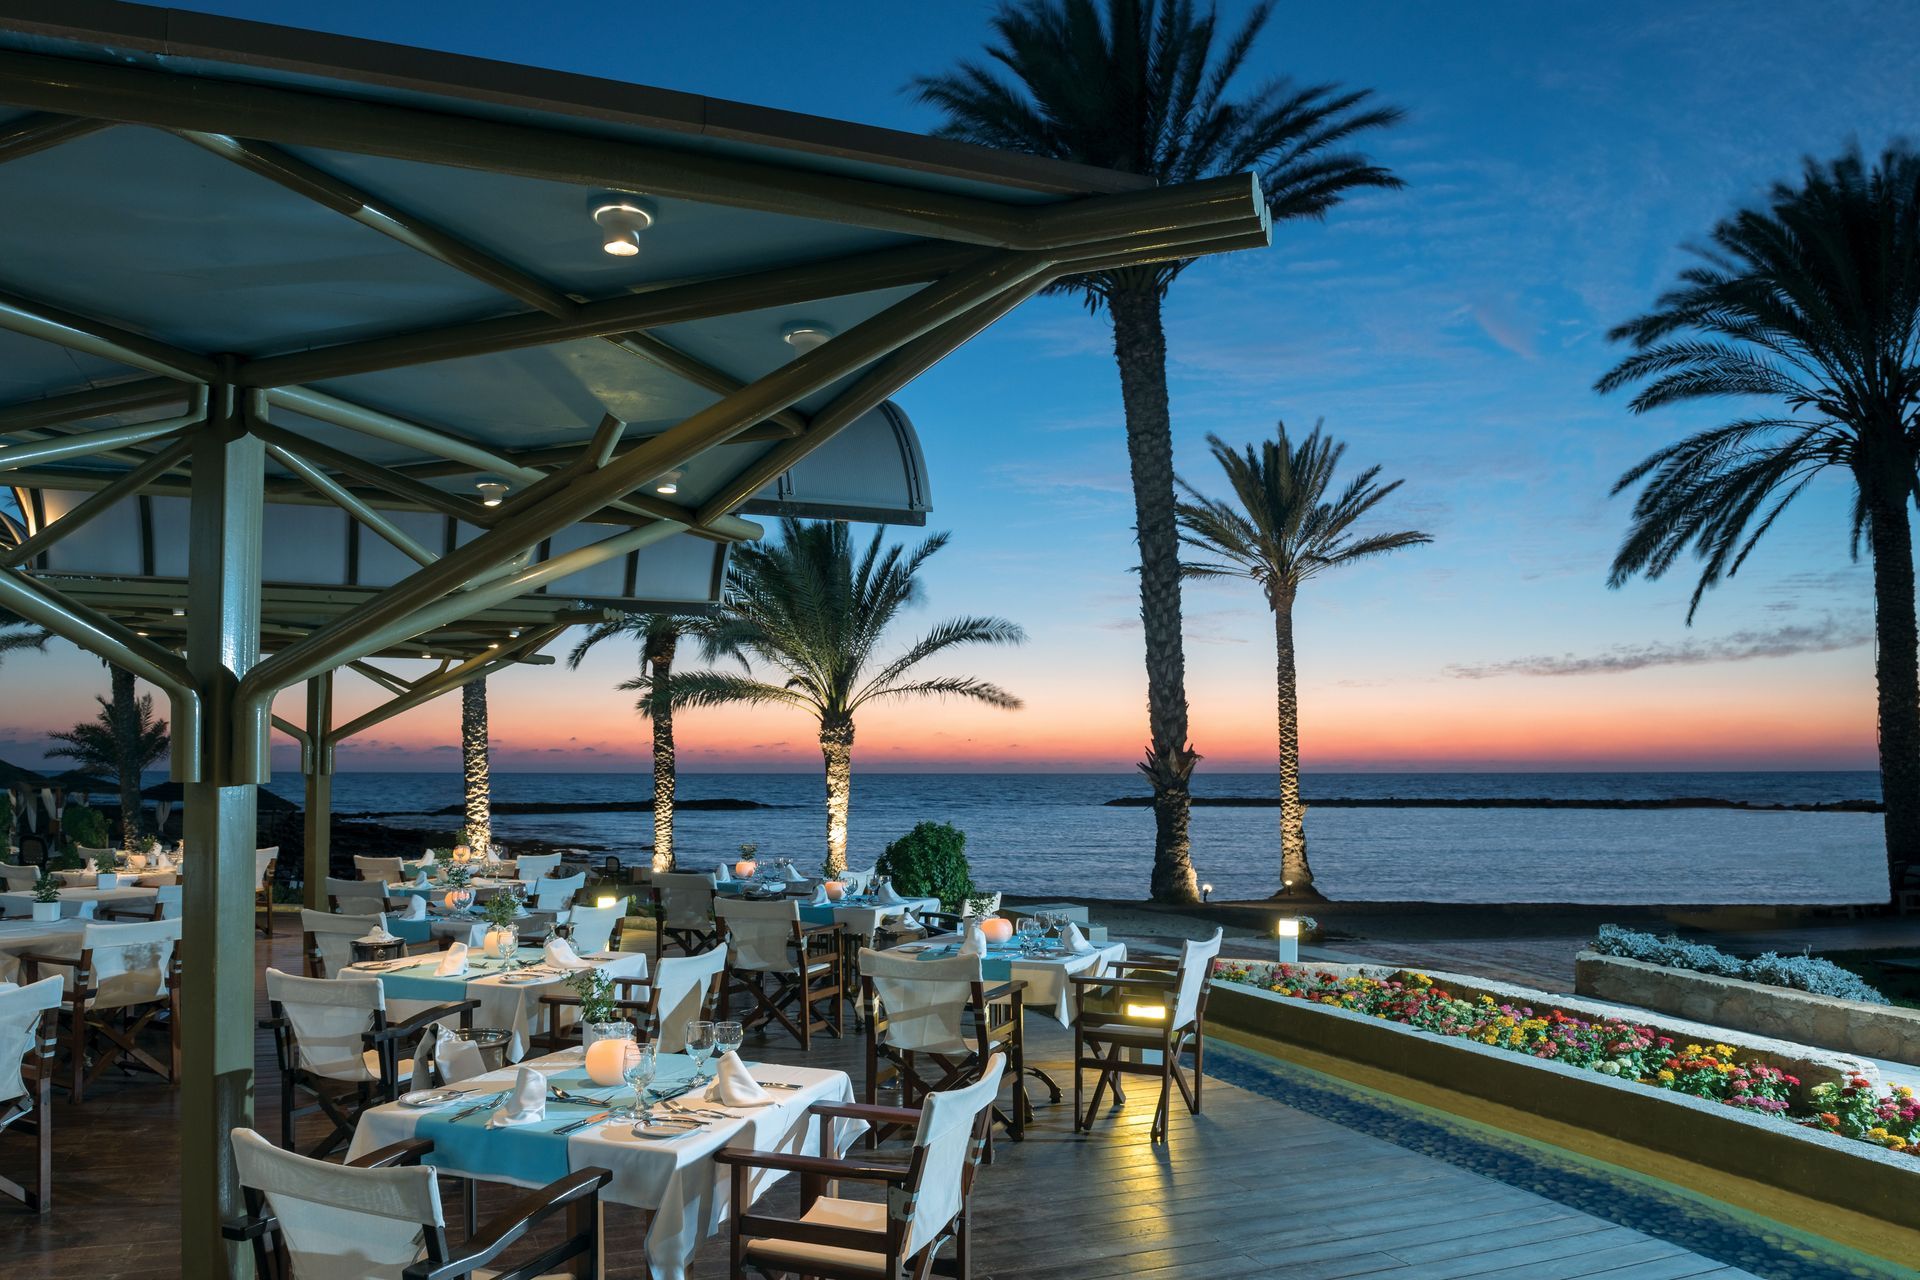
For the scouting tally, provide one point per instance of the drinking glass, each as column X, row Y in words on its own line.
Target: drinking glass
column 726, row 1038
column 642, row 1060
column 699, row 1047
column 1030, row 931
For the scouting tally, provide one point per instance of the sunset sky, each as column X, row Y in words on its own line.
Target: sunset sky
column 1556, row 161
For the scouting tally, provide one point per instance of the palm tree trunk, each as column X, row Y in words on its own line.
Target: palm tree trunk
column 1296, row 877
column 473, row 755
column 126, row 746
column 1897, row 672
column 1140, row 348
column 660, row 652
column 836, row 747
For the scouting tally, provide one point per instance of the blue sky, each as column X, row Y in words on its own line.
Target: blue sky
column 1557, row 157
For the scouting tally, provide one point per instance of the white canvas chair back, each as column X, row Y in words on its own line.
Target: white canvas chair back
column 100, row 857
column 167, row 899
column 356, row 897
column 341, row 1223
column 1196, row 963
column 686, row 899
column 684, row 982
column 130, row 961
column 593, row 926
column 333, row 936
column 536, row 866
column 555, row 893
column 330, row 1018
column 760, row 933
column 20, row 1011
column 925, row 1000
column 377, row 870
column 263, row 860
column 19, row 879
column 945, row 1136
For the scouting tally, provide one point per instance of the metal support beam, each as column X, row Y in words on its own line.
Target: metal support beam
column 94, row 402
column 87, row 443
column 216, row 1013
column 352, row 505
column 32, row 134
column 316, row 767
column 424, row 690
column 76, row 332
column 102, row 501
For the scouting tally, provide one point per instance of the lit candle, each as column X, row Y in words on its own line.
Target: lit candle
column 606, row 1059
column 996, row 929
column 1289, row 941
column 836, row 890
column 745, row 869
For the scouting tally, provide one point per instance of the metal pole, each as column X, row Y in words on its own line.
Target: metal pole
column 217, row 952
column 317, row 762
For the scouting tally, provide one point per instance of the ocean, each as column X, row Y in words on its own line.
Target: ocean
column 1053, row 833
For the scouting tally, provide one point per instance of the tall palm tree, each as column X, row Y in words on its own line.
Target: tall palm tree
column 124, row 739
column 17, row 636
column 1811, row 302
column 659, row 635
column 475, row 764
column 1147, row 88
column 1289, row 525
column 816, row 611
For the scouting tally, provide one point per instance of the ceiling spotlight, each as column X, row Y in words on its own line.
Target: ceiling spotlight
column 804, row 335
column 179, row 613
column 668, row 483
column 141, row 633
column 621, row 219
column 492, row 493
column 514, row 634
column 494, row 645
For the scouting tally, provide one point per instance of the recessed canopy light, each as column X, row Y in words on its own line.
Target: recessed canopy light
column 668, row 483
column 621, row 219
column 514, row 634
column 492, row 493
column 804, row 335
column 179, row 613
column 141, row 633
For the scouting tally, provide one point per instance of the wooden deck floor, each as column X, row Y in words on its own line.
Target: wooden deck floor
column 1251, row 1188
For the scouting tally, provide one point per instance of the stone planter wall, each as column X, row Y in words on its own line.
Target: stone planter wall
column 1844, row 1026
column 1815, row 1165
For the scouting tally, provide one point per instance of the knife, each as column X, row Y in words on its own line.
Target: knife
column 572, row 1126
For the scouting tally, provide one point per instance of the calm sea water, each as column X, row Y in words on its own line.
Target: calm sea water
column 1052, row 833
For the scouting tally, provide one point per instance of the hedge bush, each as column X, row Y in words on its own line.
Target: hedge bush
column 1802, row 973
column 930, row 861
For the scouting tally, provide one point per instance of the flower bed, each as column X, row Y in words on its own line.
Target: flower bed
column 1624, row 1050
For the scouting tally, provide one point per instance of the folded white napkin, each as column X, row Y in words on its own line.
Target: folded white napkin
column 526, row 1104
column 734, row 1086
column 721, row 871
column 453, row 962
column 440, row 1052
column 791, row 873
column 975, row 942
column 416, row 908
column 378, row 935
column 887, row 896
column 1075, row 941
column 561, row 955
column 421, row 881
column 92, row 868
column 907, row 920
column 819, row 898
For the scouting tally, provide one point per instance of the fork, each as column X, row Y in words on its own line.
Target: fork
column 490, row 1101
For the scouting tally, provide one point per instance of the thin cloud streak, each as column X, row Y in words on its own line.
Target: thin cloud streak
column 1740, row 646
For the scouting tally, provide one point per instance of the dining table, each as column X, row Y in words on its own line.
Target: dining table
column 1048, row 972
column 861, row 914
column 82, row 902
column 508, row 990
column 57, row 937
column 672, row 1176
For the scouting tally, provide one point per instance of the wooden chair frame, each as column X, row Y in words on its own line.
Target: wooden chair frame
column 118, row 1027
column 819, row 1175
column 810, row 945
column 691, row 941
column 1103, row 1050
column 1004, row 1033
column 343, row 1108
column 577, row 1196
column 33, row 1114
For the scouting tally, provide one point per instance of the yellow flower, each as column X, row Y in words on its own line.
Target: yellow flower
column 1723, row 1051
column 1694, row 1051
column 1666, row 1076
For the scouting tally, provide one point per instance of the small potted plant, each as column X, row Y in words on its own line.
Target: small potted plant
column 502, row 939
column 748, row 865
column 46, row 897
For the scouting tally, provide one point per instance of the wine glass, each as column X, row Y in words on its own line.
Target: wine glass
column 637, row 1071
column 699, row 1047
column 726, row 1038
column 1030, row 930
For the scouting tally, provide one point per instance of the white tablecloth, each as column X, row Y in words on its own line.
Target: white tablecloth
column 1049, row 991
column 677, row 1179
column 508, row 1007
column 50, row 937
column 81, row 902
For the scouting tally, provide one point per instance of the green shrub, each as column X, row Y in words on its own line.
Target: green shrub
column 6, row 818
column 930, row 861
column 82, row 825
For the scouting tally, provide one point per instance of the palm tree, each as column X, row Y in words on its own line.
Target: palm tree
column 123, row 739
column 16, row 636
column 659, row 635
column 1812, row 302
column 1145, row 89
column 475, row 764
column 1285, row 530
column 816, row 612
